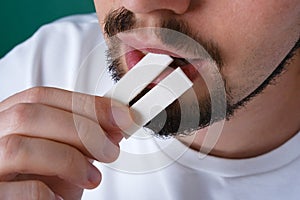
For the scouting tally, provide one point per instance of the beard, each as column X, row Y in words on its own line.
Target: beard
column 210, row 105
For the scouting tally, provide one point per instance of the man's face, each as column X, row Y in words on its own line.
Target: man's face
column 247, row 40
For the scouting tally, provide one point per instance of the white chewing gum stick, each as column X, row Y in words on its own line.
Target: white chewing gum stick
column 161, row 96
column 158, row 98
column 141, row 75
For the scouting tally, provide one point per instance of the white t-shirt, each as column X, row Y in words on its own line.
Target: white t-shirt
column 70, row 54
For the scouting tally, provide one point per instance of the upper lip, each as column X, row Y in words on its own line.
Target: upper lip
column 147, row 43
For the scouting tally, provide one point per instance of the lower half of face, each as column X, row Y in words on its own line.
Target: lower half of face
column 244, row 43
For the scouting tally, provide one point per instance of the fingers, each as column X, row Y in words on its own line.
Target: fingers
column 102, row 110
column 41, row 121
column 26, row 190
column 24, row 155
column 57, row 185
column 49, row 132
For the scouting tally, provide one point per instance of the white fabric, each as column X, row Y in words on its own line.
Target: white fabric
column 69, row 54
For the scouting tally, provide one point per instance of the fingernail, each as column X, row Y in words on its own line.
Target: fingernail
column 94, row 176
column 121, row 115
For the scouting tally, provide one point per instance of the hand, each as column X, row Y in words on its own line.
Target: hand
column 48, row 138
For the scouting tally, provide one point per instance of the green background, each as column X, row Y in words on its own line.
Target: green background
column 20, row 19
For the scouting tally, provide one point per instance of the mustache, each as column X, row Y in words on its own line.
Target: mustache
column 118, row 21
column 171, row 32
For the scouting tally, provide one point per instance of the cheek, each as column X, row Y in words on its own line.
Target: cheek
column 262, row 41
column 254, row 37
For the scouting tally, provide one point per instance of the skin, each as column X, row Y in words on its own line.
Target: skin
column 253, row 40
column 62, row 165
column 250, row 34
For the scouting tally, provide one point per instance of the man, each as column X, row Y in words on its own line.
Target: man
column 49, row 136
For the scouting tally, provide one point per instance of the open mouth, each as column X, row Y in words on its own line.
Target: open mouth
column 179, row 62
column 133, row 56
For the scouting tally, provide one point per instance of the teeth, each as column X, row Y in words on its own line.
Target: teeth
column 144, row 52
column 177, row 62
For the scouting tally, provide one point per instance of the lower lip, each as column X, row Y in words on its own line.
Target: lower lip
column 133, row 56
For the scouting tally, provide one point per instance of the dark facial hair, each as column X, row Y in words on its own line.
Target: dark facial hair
column 177, row 121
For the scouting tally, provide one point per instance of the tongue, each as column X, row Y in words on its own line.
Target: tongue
column 133, row 57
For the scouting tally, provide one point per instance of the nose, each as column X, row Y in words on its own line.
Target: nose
column 147, row 6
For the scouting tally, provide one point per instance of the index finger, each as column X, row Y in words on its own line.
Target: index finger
column 45, row 122
column 99, row 109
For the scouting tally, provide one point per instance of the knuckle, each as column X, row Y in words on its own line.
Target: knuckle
column 31, row 190
column 10, row 147
column 102, row 105
column 85, row 103
column 36, row 94
column 83, row 129
column 71, row 158
column 37, row 190
column 18, row 116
